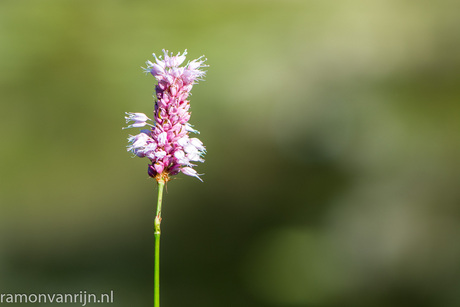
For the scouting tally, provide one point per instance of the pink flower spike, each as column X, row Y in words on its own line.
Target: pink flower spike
column 167, row 144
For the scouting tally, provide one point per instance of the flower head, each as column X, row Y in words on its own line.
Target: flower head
column 167, row 144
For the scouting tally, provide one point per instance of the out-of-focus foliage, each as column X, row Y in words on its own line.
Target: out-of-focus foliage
column 332, row 175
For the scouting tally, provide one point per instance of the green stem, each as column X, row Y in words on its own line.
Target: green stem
column 157, row 245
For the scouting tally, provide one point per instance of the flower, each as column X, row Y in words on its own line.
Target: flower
column 140, row 120
column 167, row 143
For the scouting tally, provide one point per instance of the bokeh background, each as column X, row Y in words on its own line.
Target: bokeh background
column 332, row 175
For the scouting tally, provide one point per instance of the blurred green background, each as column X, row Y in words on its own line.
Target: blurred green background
column 332, row 174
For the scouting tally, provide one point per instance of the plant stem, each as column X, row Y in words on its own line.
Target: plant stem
column 157, row 245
